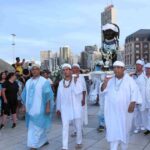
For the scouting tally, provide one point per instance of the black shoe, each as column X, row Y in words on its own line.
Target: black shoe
column 46, row 143
column 14, row 125
column 1, row 126
column 96, row 104
column 100, row 128
column 147, row 132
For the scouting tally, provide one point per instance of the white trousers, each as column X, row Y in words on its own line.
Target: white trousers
column 115, row 145
column 36, row 136
column 139, row 118
column 148, row 119
column 65, row 132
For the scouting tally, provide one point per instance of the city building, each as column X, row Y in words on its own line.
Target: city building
column 45, row 55
column 137, row 46
column 108, row 16
column 65, row 54
column 121, row 54
column 89, row 56
column 49, row 60
column 84, row 58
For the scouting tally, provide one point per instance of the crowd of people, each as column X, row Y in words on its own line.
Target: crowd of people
column 124, row 101
column 11, row 87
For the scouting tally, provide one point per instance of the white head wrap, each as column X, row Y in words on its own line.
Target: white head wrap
column 119, row 64
column 140, row 62
column 147, row 65
column 66, row 66
column 76, row 65
column 36, row 66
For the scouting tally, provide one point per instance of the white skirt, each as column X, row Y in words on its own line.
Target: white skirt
column 36, row 136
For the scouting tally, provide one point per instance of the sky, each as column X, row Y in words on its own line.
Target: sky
column 50, row 24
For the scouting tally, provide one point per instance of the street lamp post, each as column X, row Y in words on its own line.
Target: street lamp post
column 13, row 46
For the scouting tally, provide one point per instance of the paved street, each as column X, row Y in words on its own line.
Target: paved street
column 15, row 139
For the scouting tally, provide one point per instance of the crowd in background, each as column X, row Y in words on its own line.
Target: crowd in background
column 11, row 87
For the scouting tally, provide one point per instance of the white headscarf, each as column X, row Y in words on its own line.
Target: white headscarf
column 147, row 65
column 35, row 65
column 76, row 65
column 66, row 66
column 119, row 64
column 140, row 62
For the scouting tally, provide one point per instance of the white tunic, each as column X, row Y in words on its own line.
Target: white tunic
column 147, row 102
column 37, row 99
column 118, row 95
column 81, row 81
column 141, row 82
column 69, row 101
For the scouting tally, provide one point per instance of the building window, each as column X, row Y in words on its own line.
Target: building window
column 136, row 39
column 145, row 56
column 145, row 52
column 145, row 45
column 137, row 56
column 137, row 46
column 137, row 51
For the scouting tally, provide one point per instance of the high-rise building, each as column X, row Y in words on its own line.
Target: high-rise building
column 137, row 46
column 45, row 55
column 65, row 54
column 108, row 16
column 49, row 60
column 91, row 48
column 84, row 58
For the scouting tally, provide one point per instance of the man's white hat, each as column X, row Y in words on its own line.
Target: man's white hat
column 66, row 66
column 36, row 66
column 147, row 65
column 76, row 65
column 140, row 62
column 118, row 64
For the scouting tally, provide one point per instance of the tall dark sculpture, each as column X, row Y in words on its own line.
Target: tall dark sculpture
column 110, row 43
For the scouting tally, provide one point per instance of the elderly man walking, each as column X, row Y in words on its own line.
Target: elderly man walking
column 37, row 98
column 121, row 95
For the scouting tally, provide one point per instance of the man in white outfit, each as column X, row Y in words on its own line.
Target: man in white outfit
column 121, row 95
column 147, row 105
column 81, row 81
column 69, row 105
column 140, row 113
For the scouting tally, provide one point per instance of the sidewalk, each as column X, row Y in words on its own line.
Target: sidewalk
column 15, row 139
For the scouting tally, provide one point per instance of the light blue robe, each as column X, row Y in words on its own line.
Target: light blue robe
column 41, row 120
column 35, row 95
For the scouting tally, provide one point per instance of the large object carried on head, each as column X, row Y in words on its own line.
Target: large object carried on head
column 110, row 43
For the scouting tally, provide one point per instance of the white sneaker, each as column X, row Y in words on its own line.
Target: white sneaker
column 143, row 129
column 136, row 131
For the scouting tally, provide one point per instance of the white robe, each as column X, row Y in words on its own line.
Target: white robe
column 147, row 103
column 36, row 94
column 69, row 101
column 81, row 80
column 140, row 110
column 94, row 90
column 118, row 96
column 141, row 82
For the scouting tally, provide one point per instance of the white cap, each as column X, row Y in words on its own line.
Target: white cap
column 140, row 62
column 119, row 64
column 76, row 65
column 36, row 66
column 147, row 65
column 66, row 66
